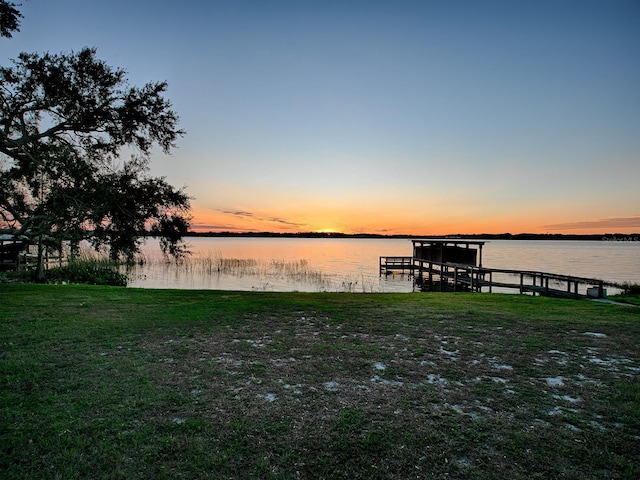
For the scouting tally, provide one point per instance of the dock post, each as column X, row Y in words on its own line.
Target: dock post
column 455, row 279
column 522, row 282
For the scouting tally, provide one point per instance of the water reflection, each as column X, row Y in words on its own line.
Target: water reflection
column 351, row 264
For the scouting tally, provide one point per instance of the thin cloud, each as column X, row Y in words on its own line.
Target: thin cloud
column 237, row 213
column 207, row 227
column 253, row 216
column 283, row 221
column 616, row 222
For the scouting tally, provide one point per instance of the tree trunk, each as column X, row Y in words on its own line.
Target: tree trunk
column 40, row 261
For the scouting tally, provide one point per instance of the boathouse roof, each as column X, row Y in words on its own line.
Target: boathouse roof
column 446, row 241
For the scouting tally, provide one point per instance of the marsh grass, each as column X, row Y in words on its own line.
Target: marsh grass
column 87, row 267
column 630, row 293
column 263, row 272
column 100, row 382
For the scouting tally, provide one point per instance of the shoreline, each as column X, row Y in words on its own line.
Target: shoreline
column 607, row 237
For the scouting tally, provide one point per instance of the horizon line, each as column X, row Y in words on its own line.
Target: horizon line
column 408, row 235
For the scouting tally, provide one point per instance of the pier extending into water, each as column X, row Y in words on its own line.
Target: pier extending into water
column 456, row 265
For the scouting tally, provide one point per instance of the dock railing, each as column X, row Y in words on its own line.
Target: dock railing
column 19, row 254
column 432, row 275
column 467, row 277
column 390, row 264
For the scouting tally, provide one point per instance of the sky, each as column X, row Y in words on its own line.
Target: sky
column 389, row 117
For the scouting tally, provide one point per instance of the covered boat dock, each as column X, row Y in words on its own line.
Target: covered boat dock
column 456, row 265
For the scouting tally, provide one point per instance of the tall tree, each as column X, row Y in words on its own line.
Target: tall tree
column 64, row 121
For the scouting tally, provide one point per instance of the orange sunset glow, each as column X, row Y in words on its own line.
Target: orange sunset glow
column 389, row 223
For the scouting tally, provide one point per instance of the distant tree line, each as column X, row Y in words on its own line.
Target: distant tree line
column 485, row 236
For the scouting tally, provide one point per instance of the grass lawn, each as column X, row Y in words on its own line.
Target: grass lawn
column 99, row 382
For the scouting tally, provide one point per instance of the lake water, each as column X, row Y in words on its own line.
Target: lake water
column 352, row 264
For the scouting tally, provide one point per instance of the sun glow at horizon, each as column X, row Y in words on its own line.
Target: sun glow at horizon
column 328, row 230
column 401, row 220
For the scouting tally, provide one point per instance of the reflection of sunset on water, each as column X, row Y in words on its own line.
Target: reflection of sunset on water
column 352, row 264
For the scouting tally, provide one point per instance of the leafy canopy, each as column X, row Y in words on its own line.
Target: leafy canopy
column 64, row 121
column 9, row 18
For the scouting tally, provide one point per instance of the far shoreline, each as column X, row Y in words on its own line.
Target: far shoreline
column 614, row 237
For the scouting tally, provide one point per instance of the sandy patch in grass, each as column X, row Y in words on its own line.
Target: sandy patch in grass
column 312, row 361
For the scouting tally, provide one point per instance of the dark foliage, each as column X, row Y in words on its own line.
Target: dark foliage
column 64, row 120
column 89, row 274
column 9, row 18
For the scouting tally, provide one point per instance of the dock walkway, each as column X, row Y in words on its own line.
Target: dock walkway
column 432, row 275
column 433, row 270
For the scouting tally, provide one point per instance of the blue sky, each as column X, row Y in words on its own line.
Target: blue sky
column 423, row 117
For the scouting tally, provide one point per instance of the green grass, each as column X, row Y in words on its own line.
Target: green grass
column 632, row 298
column 106, row 382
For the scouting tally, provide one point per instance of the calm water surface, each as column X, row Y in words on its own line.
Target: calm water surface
column 351, row 264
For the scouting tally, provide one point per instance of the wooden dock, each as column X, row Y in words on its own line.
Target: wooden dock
column 389, row 265
column 17, row 253
column 12, row 253
column 433, row 270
